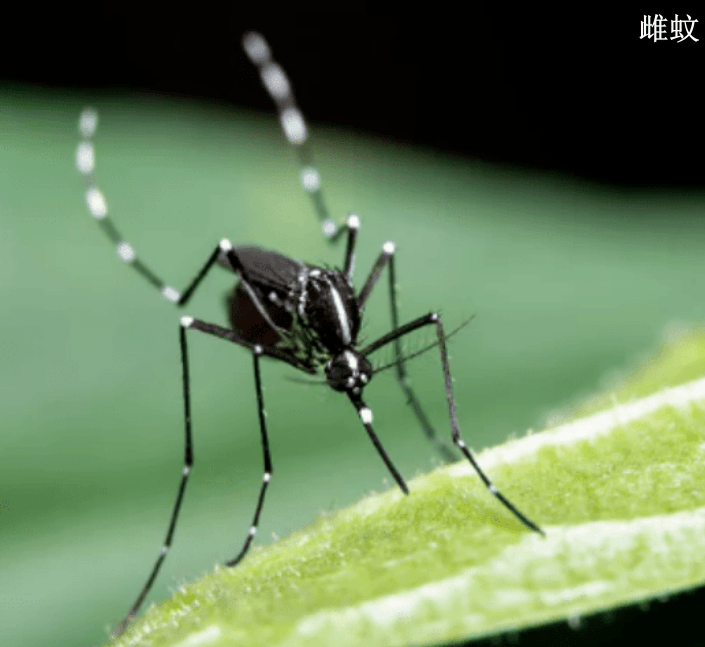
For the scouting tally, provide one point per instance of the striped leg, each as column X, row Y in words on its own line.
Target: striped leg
column 98, row 207
column 268, row 469
column 185, row 472
column 434, row 319
column 365, row 414
column 257, row 352
column 277, row 84
column 386, row 259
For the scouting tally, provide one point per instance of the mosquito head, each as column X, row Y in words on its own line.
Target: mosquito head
column 348, row 371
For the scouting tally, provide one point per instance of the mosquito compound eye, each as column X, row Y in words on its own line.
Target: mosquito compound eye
column 339, row 374
column 348, row 371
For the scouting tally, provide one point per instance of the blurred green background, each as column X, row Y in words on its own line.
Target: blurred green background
column 567, row 280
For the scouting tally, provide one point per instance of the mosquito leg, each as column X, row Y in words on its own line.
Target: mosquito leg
column 98, row 207
column 278, row 86
column 257, row 351
column 434, row 319
column 455, row 430
column 185, row 472
column 365, row 414
column 382, row 261
column 352, row 225
column 188, row 292
column 386, row 259
column 403, row 377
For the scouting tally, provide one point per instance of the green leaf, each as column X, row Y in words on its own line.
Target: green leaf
column 619, row 493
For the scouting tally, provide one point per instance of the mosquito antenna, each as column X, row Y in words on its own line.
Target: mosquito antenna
column 303, row 380
column 421, row 351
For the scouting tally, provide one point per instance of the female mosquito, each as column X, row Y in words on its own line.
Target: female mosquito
column 297, row 313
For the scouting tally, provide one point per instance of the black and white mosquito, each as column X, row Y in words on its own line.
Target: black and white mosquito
column 306, row 316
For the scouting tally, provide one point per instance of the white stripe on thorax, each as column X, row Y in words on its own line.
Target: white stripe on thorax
column 342, row 315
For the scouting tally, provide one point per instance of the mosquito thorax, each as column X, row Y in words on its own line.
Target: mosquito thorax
column 348, row 371
column 328, row 306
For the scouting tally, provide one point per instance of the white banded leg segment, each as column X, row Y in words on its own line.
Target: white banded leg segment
column 219, row 253
column 278, row 86
column 385, row 258
column 268, row 470
column 96, row 202
column 293, row 125
column 329, row 228
column 185, row 472
column 311, row 182
column 366, row 417
column 170, row 294
column 443, row 448
column 493, row 489
column 98, row 206
column 256, row 48
column 85, row 157
column 352, row 225
column 275, row 81
column 257, row 351
column 88, row 123
column 310, row 179
column 435, row 319
column 126, row 251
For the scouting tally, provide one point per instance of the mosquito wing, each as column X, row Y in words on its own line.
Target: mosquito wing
column 266, row 270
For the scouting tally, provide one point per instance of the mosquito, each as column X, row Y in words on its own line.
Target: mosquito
column 303, row 315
